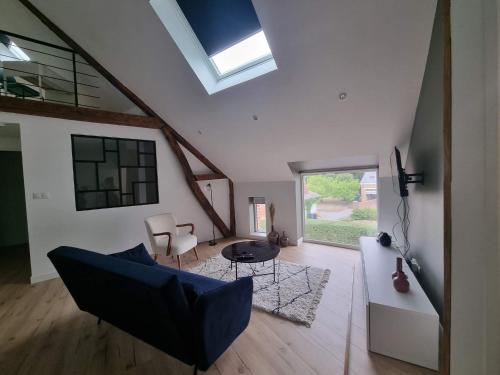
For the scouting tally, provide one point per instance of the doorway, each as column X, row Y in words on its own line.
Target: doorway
column 339, row 206
column 14, row 250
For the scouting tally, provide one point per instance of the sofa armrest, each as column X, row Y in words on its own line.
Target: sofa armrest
column 221, row 314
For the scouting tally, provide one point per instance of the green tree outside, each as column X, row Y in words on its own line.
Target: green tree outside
column 340, row 185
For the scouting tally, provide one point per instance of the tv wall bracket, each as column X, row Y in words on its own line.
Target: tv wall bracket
column 414, row 178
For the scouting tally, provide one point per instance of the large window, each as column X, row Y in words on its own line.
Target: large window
column 340, row 207
column 113, row 172
column 257, row 215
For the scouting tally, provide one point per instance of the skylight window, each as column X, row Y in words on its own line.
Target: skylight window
column 248, row 52
column 223, row 41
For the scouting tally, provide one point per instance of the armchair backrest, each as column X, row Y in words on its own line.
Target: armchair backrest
column 158, row 224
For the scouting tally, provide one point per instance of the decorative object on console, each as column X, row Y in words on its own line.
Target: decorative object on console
column 208, row 187
column 399, row 278
column 384, row 239
column 273, row 236
column 284, row 240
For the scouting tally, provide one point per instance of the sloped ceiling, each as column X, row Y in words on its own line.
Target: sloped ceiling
column 373, row 50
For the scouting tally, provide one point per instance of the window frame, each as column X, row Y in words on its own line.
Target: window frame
column 304, row 173
column 255, row 223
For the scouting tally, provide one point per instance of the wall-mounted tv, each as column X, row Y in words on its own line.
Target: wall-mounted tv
column 406, row 178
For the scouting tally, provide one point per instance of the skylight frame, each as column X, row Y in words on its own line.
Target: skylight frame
column 183, row 35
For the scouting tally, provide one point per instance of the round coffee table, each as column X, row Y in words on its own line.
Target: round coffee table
column 252, row 252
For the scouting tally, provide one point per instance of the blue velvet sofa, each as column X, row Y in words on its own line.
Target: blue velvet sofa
column 191, row 317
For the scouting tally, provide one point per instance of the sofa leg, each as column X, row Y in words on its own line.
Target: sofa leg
column 196, row 253
column 156, row 256
column 98, row 321
column 195, row 371
column 179, row 261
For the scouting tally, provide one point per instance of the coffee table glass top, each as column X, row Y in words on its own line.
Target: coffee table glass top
column 251, row 251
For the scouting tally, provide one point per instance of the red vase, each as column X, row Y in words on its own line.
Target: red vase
column 399, row 278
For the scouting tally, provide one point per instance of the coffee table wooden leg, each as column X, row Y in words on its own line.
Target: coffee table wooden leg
column 236, row 265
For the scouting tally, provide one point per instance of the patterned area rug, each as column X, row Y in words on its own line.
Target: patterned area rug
column 295, row 295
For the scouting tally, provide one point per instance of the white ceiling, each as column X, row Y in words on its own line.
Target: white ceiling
column 373, row 50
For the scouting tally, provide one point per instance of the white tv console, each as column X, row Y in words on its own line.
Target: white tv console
column 400, row 325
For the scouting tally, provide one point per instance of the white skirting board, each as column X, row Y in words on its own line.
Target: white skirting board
column 39, row 278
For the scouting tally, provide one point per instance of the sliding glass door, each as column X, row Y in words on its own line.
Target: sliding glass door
column 340, row 206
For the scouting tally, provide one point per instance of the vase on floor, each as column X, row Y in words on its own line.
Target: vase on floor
column 284, row 240
column 273, row 236
column 399, row 278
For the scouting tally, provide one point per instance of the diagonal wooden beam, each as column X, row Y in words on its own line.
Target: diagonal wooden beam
column 193, row 184
column 173, row 137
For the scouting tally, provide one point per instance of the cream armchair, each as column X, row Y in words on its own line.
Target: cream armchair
column 165, row 238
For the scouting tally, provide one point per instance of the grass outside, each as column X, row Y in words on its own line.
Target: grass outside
column 342, row 232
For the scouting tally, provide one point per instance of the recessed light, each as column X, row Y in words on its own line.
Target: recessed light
column 343, row 96
column 255, row 117
column 199, row 132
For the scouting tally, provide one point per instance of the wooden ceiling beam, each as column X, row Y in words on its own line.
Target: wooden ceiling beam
column 209, row 176
column 44, row 109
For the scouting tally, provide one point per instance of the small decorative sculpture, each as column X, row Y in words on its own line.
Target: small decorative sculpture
column 273, row 236
column 399, row 278
column 284, row 240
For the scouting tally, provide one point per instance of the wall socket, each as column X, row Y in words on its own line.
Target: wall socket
column 43, row 195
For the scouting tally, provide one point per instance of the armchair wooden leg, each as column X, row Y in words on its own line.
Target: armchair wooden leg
column 179, row 261
column 196, row 253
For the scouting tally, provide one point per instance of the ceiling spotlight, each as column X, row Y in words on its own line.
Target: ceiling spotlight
column 199, row 132
column 255, row 117
column 343, row 96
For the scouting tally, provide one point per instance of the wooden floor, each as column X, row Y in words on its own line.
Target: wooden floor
column 43, row 332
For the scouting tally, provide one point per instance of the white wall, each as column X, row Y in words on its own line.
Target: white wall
column 388, row 201
column 281, row 193
column 475, row 295
column 47, row 164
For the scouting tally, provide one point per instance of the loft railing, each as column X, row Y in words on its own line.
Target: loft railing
column 36, row 70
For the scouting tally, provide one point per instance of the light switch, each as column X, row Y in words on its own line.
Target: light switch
column 45, row 195
column 36, row 195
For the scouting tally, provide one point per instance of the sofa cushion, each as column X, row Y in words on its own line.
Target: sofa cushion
column 193, row 284
column 138, row 254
